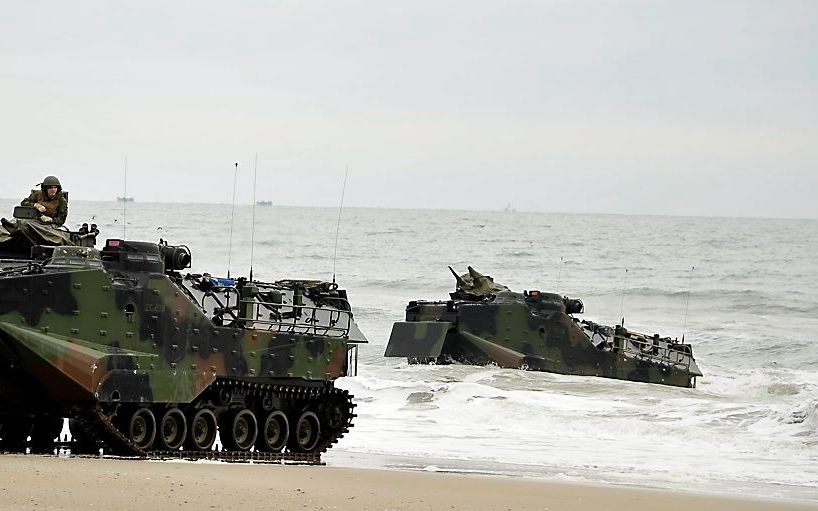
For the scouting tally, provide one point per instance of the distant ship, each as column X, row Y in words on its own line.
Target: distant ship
column 264, row 203
column 124, row 199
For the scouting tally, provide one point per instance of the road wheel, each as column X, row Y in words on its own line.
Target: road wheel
column 274, row 432
column 306, row 433
column 142, row 428
column 239, row 430
column 173, row 429
column 202, row 430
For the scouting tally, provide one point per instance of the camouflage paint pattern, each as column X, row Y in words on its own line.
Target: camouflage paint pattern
column 534, row 331
column 79, row 334
column 98, row 335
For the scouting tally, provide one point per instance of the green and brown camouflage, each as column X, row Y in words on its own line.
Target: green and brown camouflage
column 145, row 359
column 535, row 331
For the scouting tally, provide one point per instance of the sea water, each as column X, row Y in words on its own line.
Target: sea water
column 742, row 291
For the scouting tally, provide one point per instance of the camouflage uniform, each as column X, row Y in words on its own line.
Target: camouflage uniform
column 56, row 209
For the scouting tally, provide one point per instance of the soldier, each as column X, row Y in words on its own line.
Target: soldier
column 50, row 201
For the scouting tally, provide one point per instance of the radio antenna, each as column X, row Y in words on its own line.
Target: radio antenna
column 338, row 225
column 253, row 228
column 622, row 300
column 687, row 301
column 232, row 214
column 124, row 194
column 559, row 273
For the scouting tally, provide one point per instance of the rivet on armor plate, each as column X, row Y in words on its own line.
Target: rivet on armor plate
column 103, row 314
column 292, row 357
column 103, row 333
column 45, row 329
column 129, row 334
column 47, row 309
column 215, row 349
column 174, row 346
column 193, row 366
column 252, row 372
column 75, row 331
column 106, row 288
column 152, row 366
column 156, row 291
column 253, row 354
column 173, row 365
column 77, row 285
column 195, row 331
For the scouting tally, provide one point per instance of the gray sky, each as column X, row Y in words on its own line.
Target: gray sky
column 665, row 107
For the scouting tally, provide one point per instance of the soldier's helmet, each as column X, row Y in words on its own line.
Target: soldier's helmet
column 50, row 181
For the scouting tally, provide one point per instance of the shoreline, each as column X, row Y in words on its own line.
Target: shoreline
column 341, row 458
column 51, row 482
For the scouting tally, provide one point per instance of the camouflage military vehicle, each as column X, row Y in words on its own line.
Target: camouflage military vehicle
column 486, row 323
column 147, row 361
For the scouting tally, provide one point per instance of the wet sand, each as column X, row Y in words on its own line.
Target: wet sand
column 32, row 482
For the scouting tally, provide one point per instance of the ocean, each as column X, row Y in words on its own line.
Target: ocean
column 742, row 291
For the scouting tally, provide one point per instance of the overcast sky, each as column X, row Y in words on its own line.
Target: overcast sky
column 664, row 107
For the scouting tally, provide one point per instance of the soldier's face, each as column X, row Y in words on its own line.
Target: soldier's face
column 52, row 191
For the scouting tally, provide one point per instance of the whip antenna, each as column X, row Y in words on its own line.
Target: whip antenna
column 687, row 301
column 232, row 214
column 124, row 195
column 622, row 300
column 253, row 228
column 338, row 225
column 559, row 273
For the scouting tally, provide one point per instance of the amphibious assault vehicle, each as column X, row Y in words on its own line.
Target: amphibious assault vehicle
column 486, row 323
column 147, row 361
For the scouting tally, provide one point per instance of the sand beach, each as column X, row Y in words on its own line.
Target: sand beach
column 35, row 482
